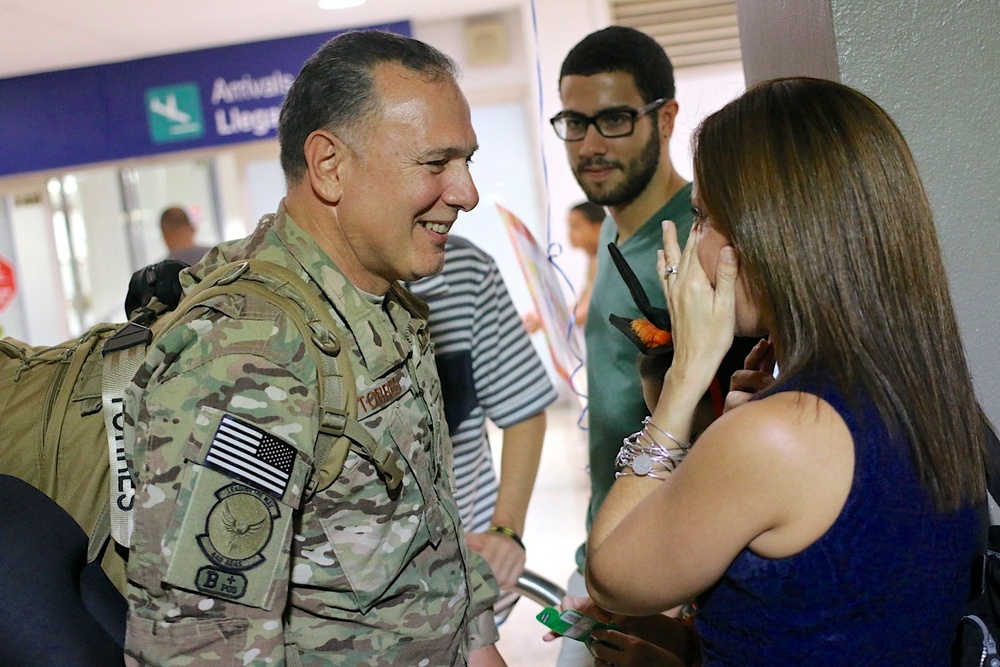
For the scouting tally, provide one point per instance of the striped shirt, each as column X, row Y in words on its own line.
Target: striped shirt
column 488, row 367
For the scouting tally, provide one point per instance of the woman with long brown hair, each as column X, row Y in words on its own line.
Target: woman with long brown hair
column 831, row 519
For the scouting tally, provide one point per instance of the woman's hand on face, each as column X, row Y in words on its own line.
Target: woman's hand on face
column 702, row 317
column 757, row 375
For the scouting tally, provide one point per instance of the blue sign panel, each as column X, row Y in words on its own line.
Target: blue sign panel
column 196, row 99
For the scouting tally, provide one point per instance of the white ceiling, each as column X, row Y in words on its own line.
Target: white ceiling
column 45, row 35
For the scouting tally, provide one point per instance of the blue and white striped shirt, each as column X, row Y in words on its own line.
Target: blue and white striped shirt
column 488, row 368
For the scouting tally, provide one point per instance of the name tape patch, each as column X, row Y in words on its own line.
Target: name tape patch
column 383, row 393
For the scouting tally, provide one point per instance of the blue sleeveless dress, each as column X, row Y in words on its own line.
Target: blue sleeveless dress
column 885, row 585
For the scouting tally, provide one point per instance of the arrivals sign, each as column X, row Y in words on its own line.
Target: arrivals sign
column 195, row 99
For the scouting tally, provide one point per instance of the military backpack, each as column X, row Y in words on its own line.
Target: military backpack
column 61, row 406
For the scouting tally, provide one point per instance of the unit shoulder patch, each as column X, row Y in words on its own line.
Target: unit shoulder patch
column 238, row 527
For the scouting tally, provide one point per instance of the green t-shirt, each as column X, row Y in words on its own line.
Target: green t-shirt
column 615, row 405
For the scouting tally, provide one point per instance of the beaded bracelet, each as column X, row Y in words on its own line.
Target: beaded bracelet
column 504, row 530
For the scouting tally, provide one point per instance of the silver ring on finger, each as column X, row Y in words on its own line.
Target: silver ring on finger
column 669, row 271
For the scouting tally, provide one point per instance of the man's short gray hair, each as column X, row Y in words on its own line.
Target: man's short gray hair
column 336, row 88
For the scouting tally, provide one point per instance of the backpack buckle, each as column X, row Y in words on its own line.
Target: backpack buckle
column 234, row 274
column 130, row 335
column 327, row 344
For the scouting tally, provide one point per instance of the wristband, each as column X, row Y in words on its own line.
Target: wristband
column 504, row 530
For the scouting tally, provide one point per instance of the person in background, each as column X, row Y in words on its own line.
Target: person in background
column 584, row 230
column 178, row 235
column 489, row 369
column 835, row 510
column 584, row 223
column 243, row 562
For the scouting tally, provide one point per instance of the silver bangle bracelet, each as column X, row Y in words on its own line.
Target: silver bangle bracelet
column 625, row 472
column 647, row 423
column 641, row 455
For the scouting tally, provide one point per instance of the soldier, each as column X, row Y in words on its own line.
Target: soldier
column 237, row 563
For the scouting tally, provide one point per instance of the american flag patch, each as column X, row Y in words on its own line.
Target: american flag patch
column 252, row 455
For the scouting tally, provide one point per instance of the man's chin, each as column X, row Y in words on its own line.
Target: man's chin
column 602, row 196
column 427, row 270
column 602, row 193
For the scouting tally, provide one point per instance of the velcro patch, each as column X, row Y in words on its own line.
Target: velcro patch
column 251, row 455
column 231, row 542
column 238, row 527
column 382, row 393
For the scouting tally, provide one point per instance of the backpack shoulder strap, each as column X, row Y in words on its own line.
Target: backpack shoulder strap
column 337, row 392
column 339, row 426
column 336, row 387
column 122, row 355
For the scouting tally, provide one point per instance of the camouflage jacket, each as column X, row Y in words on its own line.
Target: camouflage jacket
column 230, row 562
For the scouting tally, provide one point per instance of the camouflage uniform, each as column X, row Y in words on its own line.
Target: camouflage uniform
column 240, row 569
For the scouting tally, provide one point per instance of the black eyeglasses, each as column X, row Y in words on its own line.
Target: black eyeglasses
column 610, row 123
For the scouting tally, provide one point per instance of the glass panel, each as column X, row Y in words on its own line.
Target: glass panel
column 502, row 172
column 37, row 314
column 188, row 184
column 98, row 242
column 265, row 186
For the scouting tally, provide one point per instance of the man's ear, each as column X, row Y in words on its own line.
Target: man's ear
column 325, row 155
column 665, row 122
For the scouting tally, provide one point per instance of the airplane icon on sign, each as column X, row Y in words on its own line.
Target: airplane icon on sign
column 174, row 112
column 168, row 109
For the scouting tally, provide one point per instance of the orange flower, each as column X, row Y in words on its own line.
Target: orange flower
column 650, row 334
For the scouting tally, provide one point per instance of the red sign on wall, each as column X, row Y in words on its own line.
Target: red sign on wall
column 8, row 283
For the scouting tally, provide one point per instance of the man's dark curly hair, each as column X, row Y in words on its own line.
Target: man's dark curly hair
column 620, row 49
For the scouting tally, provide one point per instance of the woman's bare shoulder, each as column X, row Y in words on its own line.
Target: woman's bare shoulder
column 772, row 424
column 796, row 453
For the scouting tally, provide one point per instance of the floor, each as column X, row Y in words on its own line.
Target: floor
column 553, row 531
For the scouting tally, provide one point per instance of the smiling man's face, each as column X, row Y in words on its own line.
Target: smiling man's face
column 407, row 178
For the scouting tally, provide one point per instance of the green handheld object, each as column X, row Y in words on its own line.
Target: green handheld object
column 572, row 623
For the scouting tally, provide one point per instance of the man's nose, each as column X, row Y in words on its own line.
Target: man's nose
column 461, row 193
column 593, row 143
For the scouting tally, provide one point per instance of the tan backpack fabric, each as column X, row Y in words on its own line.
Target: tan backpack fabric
column 53, row 431
column 51, row 428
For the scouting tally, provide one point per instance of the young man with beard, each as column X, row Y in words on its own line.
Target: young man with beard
column 617, row 92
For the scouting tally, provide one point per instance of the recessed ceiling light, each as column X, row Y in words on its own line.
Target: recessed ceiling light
column 340, row 4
